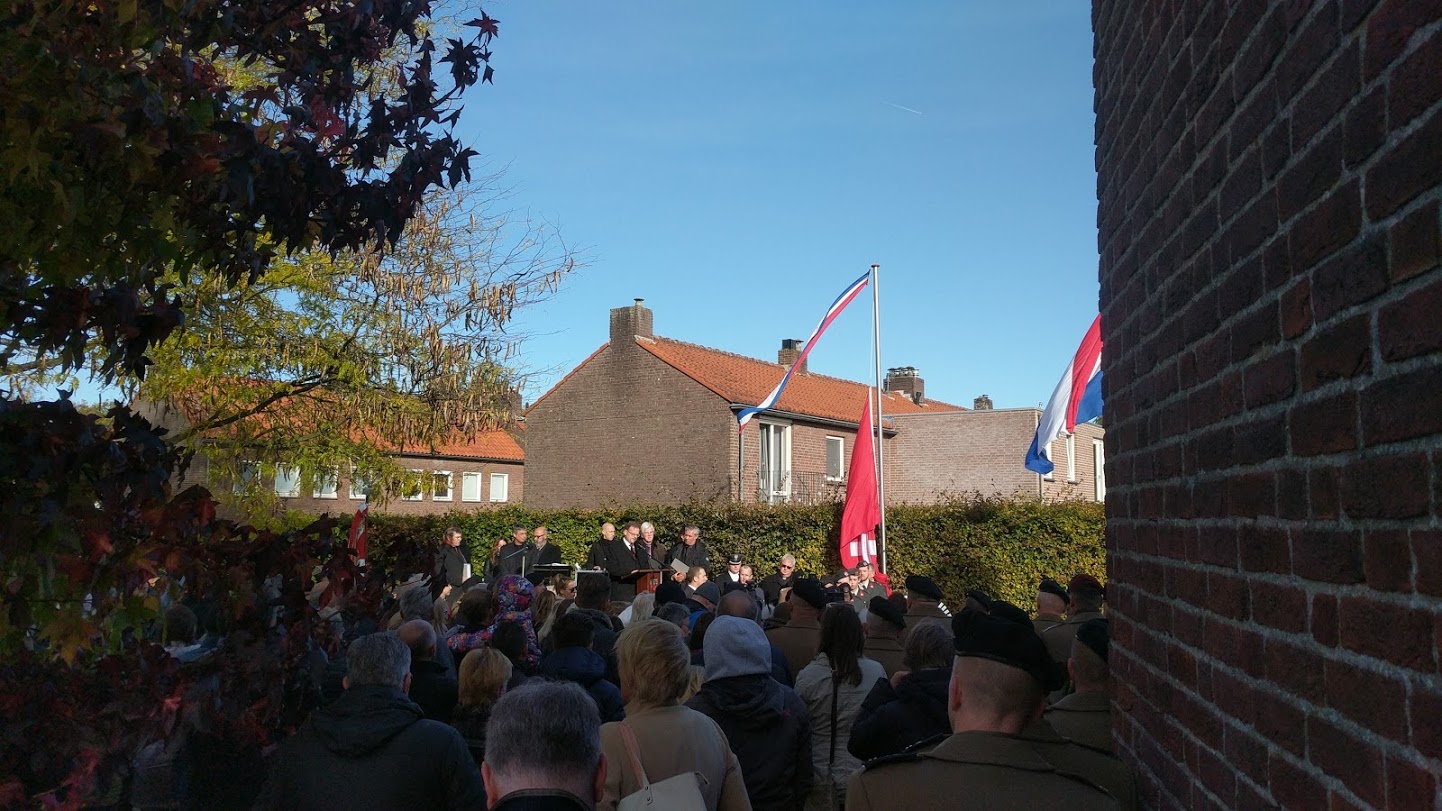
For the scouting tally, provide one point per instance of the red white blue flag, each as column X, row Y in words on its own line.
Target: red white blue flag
column 1078, row 398
column 744, row 415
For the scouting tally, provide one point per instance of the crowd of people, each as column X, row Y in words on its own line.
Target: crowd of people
column 526, row 688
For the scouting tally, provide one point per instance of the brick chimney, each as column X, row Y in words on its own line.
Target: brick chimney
column 629, row 323
column 982, row 403
column 790, row 350
column 905, row 380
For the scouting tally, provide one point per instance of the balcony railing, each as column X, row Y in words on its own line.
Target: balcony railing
column 788, row 486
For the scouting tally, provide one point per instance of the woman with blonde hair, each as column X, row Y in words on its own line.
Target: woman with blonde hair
column 670, row 739
column 543, row 612
column 482, row 680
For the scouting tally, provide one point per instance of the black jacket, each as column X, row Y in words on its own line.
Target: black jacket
column 450, row 563
column 372, row 749
column 471, row 723
column 696, row 555
column 892, row 719
column 433, row 689
column 772, row 585
column 508, row 561
column 584, row 667
column 769, row 729
column 549, row 556
column 617, row 561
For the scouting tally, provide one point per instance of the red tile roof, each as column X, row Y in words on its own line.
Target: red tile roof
column 496, row 444
column 739, row 379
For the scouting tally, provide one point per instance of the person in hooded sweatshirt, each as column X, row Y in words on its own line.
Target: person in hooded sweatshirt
column 765, row 722
column 371, row 748
column 911, row 706
column 574, row 660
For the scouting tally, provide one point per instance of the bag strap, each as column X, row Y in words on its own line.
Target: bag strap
column 629, row 738
column 835, row 688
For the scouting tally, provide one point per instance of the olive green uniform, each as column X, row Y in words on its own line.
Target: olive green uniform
column 1045, row 621
column 1085, row 718
column 885, row 647
column 798, row 640
column 1058, row 638
column 921, row 611
column 1106, row 770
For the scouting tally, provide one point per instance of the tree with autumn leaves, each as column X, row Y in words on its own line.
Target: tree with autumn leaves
column 137, row 177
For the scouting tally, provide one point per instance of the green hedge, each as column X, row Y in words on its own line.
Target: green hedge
column 1001, row 547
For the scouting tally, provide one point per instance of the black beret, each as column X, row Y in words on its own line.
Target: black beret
column 883, row 608
column 922, row 586
column 670, row 592
column 728, row 586
column 1095, row 634
column 1011, row 643
column 708, row 591
column 810, row 590
column 1049, row 586
column 1009, row 612
column 981, row 598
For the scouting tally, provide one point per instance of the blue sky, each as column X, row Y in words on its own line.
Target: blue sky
column 737, row 164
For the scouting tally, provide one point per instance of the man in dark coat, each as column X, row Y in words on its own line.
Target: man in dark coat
column 541, row 552
column 690, row 550
column 765, row 722
column 451, row 561
column 510, row 557
column 772, row 585
column 911, row 707
column 884, row 627
column 573, row 660
column 371, row 748
column 433, row 688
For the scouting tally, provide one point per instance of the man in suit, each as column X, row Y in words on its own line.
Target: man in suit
column 690, row 550
column 624, row 559
column 541, row 551
column 510, row 557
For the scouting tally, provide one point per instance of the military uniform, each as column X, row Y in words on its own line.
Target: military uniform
column 1045, row 621
column 1085, row 718
column 885, row 647
column 1102, row 768
column 1058, row 638
column 921, row 611
column 798, row 640
column 972, row 770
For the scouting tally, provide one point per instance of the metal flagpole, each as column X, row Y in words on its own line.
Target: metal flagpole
column 880, row 431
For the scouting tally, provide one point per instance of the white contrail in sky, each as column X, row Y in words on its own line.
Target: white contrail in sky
column 899, row 107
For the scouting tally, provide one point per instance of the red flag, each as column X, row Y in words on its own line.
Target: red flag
column 358, row 537
column 862, row 512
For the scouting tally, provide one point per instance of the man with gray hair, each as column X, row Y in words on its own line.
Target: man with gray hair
column 371, row 748
column 543, row 749
column 690, row 550
column 782, row 579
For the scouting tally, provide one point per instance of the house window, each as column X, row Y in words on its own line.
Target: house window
column 775, row 462
column 249, row 472
column 500, row 487
column 835, row 449
column 287, row 481
column 359, row 490
column 1099, row 464
column 441, row 485
column 1071, row 459
column 413, row 491
column 470, row 487
column 327, row 484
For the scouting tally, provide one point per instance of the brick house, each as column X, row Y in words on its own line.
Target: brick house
column 648, row 418
column 480, row 472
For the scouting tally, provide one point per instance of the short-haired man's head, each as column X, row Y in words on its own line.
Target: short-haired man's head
column 738, row 604
column 541, row 534
column 987, row 694
column 676, row 614
column 543, row 735
column 695, row 575
column 647, row 526
column 181, row 624
column 690, row 534
column 420, row 637
column 654, row 663
column 482, row 677
column 1089, row 671
column 630, row 525
column 788, row 564
column 574, row 630
column 452, row 536
column 416, row 604
column 1086, row 598
column 1048, row 603
column 379, row 659
column 593, row 591
column 608, row 530
column 929, row 645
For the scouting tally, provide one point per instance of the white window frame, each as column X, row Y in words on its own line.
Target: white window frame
column 1071, row 459
column 505, row 481
column 770, row 491
column 420, row 487
column 358, row 495
column 840, row 458
column 293, row 477
column 450, row 486
column 332, row 477
column 471, row 476
column 1099, row 463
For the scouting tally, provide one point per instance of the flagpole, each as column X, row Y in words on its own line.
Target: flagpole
column 880, row 419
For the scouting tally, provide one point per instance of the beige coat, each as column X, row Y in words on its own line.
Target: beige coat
column 798, row 640
column 972, row 770
column 1085, row 718
column 886, row 648
column 673, row 740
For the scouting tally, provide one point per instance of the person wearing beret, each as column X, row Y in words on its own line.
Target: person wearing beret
column 800, row 638
column 1001, row 674
column 884, row 626
column 867, row 586
column 1085, row 716
column 1051, row 600
column 923, row 602
column 1084, row 603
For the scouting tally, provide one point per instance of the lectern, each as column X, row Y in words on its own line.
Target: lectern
column 643, row 579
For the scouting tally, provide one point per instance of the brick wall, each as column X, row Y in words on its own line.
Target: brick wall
column 960, row 453
column 1270, row 291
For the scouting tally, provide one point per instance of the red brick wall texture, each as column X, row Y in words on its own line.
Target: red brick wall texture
column 1270, row 180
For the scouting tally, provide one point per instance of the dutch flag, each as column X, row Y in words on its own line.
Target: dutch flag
column 1078, row 398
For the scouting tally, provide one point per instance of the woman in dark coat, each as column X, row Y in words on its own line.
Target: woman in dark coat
column 911, row 707
column 483, row 676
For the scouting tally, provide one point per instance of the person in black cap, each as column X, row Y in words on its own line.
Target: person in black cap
column 998, row 687
column 1051, row 600
column 1085, row 604
column 924, row 602
column 1085, row 716
column 733, row 570
column 977, row 600
column 884, row 627
column 800, row 637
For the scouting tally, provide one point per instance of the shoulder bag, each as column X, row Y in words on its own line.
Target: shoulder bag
column 681, row 792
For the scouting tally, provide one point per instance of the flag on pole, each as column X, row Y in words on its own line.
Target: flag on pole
column 862, row 511
column 1078, row 398
column 358, row 537
column 744, row 415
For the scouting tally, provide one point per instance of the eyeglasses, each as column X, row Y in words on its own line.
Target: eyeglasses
column 785, row 566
